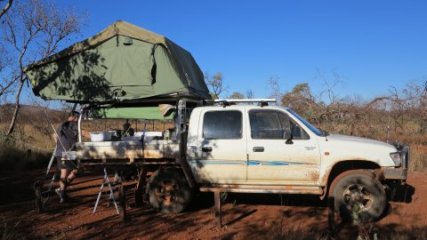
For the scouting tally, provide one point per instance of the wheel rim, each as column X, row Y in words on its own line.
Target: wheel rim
column 357, row 197
column 166, row 193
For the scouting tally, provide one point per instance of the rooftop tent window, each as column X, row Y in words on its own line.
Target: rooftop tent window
column 154, row 67
column 127, row 41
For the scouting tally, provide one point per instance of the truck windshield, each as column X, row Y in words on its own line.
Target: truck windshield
column 316, row 131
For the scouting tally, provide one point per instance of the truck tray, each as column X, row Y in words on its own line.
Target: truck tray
column 126, row 151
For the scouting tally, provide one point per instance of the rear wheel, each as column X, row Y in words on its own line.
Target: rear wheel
column 358, row 196
column 168, row 191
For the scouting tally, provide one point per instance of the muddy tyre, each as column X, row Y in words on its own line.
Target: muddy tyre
column 358, row 196
column 168, row 191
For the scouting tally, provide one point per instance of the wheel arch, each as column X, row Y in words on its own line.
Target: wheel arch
column 344, row 166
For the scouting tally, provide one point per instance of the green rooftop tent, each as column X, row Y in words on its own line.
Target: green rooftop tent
column 148, row 113
column 123, row 63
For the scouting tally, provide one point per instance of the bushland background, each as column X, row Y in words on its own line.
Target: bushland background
column 400, row 117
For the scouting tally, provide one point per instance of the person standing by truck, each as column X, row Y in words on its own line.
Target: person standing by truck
column 67, row 136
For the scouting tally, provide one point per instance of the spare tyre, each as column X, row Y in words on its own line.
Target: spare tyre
column 168, row 191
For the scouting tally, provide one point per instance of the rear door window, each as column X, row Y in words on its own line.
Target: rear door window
column 222, row 125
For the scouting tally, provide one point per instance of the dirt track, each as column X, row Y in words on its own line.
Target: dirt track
column 245, row 216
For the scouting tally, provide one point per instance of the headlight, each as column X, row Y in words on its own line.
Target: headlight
column 397, row 158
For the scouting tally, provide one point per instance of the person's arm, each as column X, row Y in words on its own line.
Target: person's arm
column 74, row 132
column 85, row 134
column 58, row 132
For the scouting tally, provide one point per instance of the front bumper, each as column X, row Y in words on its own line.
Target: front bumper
column 399, row 173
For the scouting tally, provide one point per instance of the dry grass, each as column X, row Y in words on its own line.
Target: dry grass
column 16, row 156
column 10, row 231
column 418, row 157
column 411, row 136
column 34, row 135
column 392, row 233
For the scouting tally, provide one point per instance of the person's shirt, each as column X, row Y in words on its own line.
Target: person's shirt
column 67, row 136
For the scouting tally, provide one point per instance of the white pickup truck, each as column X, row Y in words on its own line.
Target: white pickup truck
column 269, row 149
column 255, row 148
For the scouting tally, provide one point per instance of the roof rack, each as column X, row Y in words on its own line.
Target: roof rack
column 261, row 101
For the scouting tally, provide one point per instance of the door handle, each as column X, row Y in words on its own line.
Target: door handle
column 309, row 148
column 258, row 149
column 207, row 149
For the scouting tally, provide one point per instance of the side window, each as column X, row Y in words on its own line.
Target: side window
column 222, row 125
column 270, row 124
column 265, row 125
column 298, row 132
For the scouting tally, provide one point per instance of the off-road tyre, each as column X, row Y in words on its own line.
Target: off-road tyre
column 358, row 196
column 168, row 191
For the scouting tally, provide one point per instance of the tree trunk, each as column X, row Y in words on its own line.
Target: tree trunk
column 17, row 106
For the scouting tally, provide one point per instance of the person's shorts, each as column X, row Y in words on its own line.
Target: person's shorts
column 67, row 164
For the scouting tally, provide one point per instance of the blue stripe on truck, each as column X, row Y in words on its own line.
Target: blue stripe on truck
column 250, row 162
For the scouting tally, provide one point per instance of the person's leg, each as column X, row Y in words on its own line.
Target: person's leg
column 62, row 185
column 63, row 179
column 68, row 174
column 72, row 176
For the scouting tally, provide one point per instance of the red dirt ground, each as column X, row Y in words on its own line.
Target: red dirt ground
column 245, row 216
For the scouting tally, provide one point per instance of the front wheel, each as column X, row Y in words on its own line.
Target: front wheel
column 358, row 196
column 168, row 191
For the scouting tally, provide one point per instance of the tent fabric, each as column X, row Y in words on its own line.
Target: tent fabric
column 121, row 63
column 149, row 113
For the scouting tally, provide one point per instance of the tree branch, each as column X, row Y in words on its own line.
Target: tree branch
column 6, row 8
column 32, row 22
column 4, row 88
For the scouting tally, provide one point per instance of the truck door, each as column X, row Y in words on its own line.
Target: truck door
column 221, row 148
column 280, row 151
